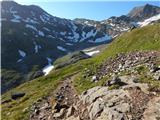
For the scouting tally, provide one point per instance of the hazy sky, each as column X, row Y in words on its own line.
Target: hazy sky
column 96, row 10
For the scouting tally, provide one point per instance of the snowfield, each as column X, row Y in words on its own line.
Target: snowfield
column 148, row 21
column 47, row 69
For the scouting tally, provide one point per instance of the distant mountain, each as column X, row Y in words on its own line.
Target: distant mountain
column 33, row 39
column 143, row 12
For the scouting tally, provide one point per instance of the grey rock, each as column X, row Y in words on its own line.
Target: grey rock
column 60, row 114
column 70, row 111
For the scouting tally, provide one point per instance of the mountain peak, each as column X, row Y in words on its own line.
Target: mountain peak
column 142, row 12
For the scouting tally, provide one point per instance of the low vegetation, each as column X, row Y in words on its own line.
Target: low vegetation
column 141, row 39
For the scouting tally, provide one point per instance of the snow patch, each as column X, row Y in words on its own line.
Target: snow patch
column 69, row 44
column 61, row 48
column 102, row 39
column 14, row 20
column 31, row 26
column 22, row 53
column 41, row 33
column 63, row 33
column 29, row 20
column 50, row 36
column 92, row 52
column 46, row 70
column 46, row 29
column 19, row 60
column 149, row 20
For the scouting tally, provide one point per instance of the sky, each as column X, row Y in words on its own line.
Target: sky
column 91, row 9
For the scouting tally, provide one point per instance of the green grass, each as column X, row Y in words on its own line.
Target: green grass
column 147, row 38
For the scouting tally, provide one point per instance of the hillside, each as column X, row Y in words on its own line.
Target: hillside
column 33, row 39
column 36, row 91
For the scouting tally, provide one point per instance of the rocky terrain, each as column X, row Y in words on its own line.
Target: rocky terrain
column 44, row 38
column 131, row 100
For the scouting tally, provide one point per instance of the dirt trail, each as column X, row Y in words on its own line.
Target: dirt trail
column 60, row 104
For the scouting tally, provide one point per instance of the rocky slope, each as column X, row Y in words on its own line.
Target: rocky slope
column 130, row 100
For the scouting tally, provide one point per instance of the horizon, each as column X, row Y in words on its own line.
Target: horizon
column 93, row 10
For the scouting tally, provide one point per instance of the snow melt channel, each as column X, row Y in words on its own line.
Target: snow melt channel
column 46, row 70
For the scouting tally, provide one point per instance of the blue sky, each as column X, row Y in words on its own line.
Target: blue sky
column 87, row 9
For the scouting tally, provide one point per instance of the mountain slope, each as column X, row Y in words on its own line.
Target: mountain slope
column 142, row 39
column 32, row 39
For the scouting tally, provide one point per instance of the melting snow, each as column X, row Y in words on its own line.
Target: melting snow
column 29, row 20
column 19, row 60
column 61, row 48
column 46, row 70
column 15, row 20
column 41, row 33
column 22, row 53
column 87, row 35
column 62, row 33
column 69, row 44
column 46, row 29
column 148, row 21
column 102, row 39
column 50, row 36
column 92, row 52
column 16, row 17
column 31, row 26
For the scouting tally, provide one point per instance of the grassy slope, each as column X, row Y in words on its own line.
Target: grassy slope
column 147, row 38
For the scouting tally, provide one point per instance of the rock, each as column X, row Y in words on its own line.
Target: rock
column 156, row 76
column 46, row 106
column 155, row 68
column 70, row 111
column 38, row 74
column 56, row 107
column 94, row 78
column 17, row 95
column 152, row 112
column 115, row 80
column 60, row 114
column 96, row 108
column 59, row 97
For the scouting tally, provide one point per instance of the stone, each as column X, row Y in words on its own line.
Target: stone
column 70, row 111
column 96, row 108
column 156, row 76
column 94, row 78
column 59, row 114
column 152, row 112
